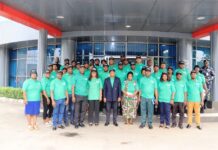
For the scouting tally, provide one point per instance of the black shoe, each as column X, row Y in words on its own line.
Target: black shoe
column 61, row 127
column 181, row 126
column 81, row 125
column 106, row 124
column 188, row 126
column 96, row 124
column 54, row 128
column 90, row 124
column 199, row 127
column 173, row 125
column 77, row 126
column 115, row 124
column 142, row 126
column 150, row 126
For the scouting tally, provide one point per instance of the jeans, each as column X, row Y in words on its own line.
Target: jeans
column 147, row 107
column 69, row 108
column 58, row 112
column 165, row 113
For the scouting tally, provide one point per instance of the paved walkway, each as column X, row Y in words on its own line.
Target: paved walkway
column 15, row 136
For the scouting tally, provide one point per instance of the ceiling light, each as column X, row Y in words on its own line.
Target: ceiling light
column 128, row 26
column 200, row 18
column 60, row 17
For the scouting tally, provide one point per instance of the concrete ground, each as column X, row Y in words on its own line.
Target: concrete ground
column 15, row 135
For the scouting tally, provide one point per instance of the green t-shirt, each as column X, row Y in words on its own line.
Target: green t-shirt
column 112, row 67
column 68, row 78
column 94, row 87
column 185, row 73
column 112, row 81
column 126, row 68
column 53, row 75
column 162, row 71
column 87, row 73
column 194, row 90
column 103, row 75
column 130, row 86
column 80, row 83
column 156, row 75
column 99, row 68
column 75, row 71
column 139, row 67
column 147, row 86
column 59, row 89
column 121, row 74
column 200, row 77
column 181, row 89
column 33, row 89
column 165, row 91
column 46, row 85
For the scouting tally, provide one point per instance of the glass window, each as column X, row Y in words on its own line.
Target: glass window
column 12, row 54
column 20, row 81
column 98, row 49
column 85, row 48
column 169, row 62
column 167, row 50
column 152, row 50
column 22, row 53
column 137, row 49
column 115, row 48
column 12, row 82
column 21, row 68
column 12, row 68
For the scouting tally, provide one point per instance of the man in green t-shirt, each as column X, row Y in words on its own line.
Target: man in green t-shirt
column 120, row 73
column 47, row 102
column 195, row 99
column 59, row 96
column 68, row 78
column 179, row 100
column 147, row 93
column 182, row 69
column 79, row 94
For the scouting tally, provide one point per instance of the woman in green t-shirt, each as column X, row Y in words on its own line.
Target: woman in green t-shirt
column 94, row 97
column 130, row 90
column 166, row 91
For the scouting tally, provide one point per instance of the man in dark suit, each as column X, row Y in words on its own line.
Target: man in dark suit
column 112, row 93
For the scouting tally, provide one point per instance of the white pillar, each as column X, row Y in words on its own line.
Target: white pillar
column 42, row 50
column 214, row 57
column 185, row 52
column 4, row 66
column 67, row 49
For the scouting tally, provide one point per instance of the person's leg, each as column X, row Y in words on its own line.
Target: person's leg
column 83, row 110
column 115, row 106
column 77, row 112
column 65, row 115
column 50, row 110
column 108, row 111
column 150, row 107
column 175, row 110
column 143, row 111
column 167, row 113
column 91, row 111
column 45, row 109
column 28, row 120
column 55, row 114
column 96, row 108
column 161, row 113
column 181, row 114
column 190, row 111
column 71, row 109
column 197, row 113
column 61, row 112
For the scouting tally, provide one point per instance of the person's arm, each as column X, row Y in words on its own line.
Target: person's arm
column 156, row 96
column 105, row 90
column 185, row 98
column 67, row 98
column 24, row 97
column 212, row 73
column 73, row 94
column 52, row 94
column 100, row 95
column 173, row 93
column 119, row 90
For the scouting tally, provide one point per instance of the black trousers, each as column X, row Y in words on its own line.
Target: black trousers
column 93, row 112
column 47, row 109
column 111, row 105
column 80, row 109
column 178, row 107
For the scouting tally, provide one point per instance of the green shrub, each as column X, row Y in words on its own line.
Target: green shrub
column 9, row 92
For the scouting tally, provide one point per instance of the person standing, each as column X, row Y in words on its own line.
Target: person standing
column 53, row 74
column 156, row 74
column 32, row 92
column 162, row 68
column 68, row 78
column 185, row 72
column 47, row 102
column 166, row 91
column 94, row 97
column 79, row 94
column 112, row 64
column 139, row 65
column 209, row 75
column 148, row 89
column 130, row 91
column 59, row 96
column 134, row 71
column 180, row 100
column 120, row 73
column 112, row 95
column 170, row 74
column 195, row 99
column 150, row 64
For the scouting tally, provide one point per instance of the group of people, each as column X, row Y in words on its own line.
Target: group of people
column 71, row 90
